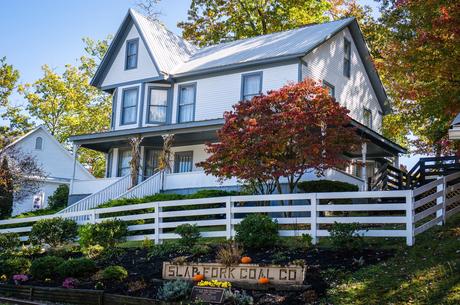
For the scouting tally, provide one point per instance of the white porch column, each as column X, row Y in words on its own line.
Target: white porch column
column 75, row 154
column 364, row 168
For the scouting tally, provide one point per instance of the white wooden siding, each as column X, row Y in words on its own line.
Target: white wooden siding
column 145, row 67
column 356, row 92
column 217, row 94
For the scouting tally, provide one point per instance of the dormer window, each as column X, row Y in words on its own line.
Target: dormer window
column 251, row 85
column 39, row 143
column 132, row 48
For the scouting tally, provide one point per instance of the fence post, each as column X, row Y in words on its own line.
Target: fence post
column 410, row 218
column 441, row 201
column 92, row 217
column 314, row 218
column 156, row 207
column 228, row 217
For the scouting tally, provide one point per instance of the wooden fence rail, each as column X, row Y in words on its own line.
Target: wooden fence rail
column 403, row 213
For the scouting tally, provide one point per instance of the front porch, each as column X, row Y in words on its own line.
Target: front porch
column 188, row 149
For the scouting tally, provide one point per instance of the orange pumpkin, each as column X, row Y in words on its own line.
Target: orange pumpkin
column 264, row 280
column 246, row 260
column 198, row 277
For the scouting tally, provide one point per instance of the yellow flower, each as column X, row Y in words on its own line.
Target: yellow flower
column 3, row 278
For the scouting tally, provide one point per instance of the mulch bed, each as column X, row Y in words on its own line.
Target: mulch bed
column 145, row 271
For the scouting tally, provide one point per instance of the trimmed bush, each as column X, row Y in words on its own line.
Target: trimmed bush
column 174, row 290
column 60, row 197
column 257, row 231
column 76, row 268
column 54, row 232
column 9, row 243
column 344, row 236
column 189, row 234
column 106, row 234
column 45, row 267
column 114, row 273
column 165, row 250
column 325, row 186
column 15, row 265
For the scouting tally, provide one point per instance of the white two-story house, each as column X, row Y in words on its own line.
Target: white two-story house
column 162, row 84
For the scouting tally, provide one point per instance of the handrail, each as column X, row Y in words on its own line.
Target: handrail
column 109, row 192
column 149, row 186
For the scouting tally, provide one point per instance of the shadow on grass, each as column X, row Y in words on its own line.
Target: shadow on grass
column 427, row 273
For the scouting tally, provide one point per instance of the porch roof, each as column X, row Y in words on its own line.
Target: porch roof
column 204, row 131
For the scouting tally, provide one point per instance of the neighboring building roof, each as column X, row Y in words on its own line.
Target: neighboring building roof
column 50, row 136
column 175, row 57
column 456, row 121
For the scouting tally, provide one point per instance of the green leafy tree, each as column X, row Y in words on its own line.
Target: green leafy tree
column 67, row 104
column 6, row 189
column 419, row 65
column 18, row 122
column 215, row 21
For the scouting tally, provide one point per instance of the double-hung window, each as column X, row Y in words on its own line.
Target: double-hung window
column 129, row 106
column 132, row 49
column 183, row 161
column 124, row 157
column 158, row 105
column 187, row 95
column 251, row 85
column 347, row 58
column 329, row 87
column 367, row 117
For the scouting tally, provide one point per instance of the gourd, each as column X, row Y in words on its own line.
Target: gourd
column 198, row 277
column 264, row 280
column 246, row 260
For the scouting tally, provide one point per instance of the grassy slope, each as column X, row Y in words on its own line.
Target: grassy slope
column 427, row 273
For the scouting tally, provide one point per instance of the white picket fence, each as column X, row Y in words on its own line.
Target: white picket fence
column 381, row 213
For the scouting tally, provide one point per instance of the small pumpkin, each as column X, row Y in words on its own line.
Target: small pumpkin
column 246, row 260
column 264, row 280
column 198, row 277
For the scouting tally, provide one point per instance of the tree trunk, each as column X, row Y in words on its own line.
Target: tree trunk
column 135, row 159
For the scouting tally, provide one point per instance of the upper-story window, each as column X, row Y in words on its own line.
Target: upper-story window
column 251, row 85
column 39, row 143
column 158, row 105
column 132, row 49
column 187, row 96
column 329, row 87
column 347, row 58
column 183, row 161
column 129, row 106
column 367, row 117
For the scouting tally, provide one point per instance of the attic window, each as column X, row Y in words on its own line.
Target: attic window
column 39, row 143
column 347, row 58
column 132, row 47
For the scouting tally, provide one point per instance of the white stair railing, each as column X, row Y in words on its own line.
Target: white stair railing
column 92, row 201
column 149, row 186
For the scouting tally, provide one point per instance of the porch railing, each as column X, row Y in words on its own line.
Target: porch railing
column 150, row 186
column 94, row 200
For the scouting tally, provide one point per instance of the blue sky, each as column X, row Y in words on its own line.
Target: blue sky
column 50, row 31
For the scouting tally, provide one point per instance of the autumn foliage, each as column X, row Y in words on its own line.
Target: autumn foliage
column 285, row 133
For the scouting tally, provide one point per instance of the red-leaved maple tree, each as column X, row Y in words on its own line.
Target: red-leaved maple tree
column 279, row 137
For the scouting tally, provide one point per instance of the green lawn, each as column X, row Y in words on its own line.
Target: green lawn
column 427, row 273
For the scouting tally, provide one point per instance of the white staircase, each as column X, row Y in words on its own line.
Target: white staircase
column 118, row 189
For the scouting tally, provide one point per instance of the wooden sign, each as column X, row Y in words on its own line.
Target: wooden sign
column 244, row 273
column 208, row 294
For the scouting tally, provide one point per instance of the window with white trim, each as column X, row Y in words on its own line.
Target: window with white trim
column 187, row 96
column 183, row 161
column 251, row 85
column 347, row 58
column 124, row 158
column 132, row 49
column 329, row 87
column 367, row 117
column 39, row 143
column 129, row 106
column 158, row 105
